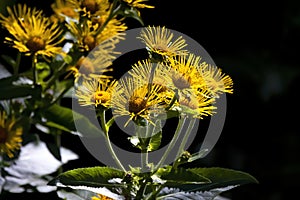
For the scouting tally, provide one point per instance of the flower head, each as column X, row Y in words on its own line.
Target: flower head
column 97, row 63
column 10, row 136
column 215, row 80
column 63, row 9
column 136, row 100
column 182, row 72
column 160, row 43
column 87, row 35
column 196, row 105
column 32, row 33
column 96, row 92
column 91, row 8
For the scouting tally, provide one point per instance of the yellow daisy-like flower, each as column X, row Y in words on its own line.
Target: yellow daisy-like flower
column 215, row 80
column 182, row 72
column 153, row 73
column 101, row 197
column 96, row 92
column 97, row 63
column 91, row 8
column 132, row 98
column 63, row 9
column 160, row 42
column 10, row 136
column 196, row 104
column 87, row 36
column 32, row 33
column 137, row 3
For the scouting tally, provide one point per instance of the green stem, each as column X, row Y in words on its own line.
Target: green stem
column 155, row 193
column 17, row 65
column 186, row 136
column 57, row 137
column 173, row 141
column 144, row 146
column 110, row 148
column 33, row 63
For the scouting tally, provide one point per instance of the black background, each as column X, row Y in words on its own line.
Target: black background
column 257, row 44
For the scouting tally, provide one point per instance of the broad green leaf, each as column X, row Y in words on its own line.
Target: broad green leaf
column 155, row 141
column 64, row 118
column 180, row 176
column 12, row 87
column 57, row 126
column 54, row 150
column 90, row 177
column 175, row 193
column 220, row 177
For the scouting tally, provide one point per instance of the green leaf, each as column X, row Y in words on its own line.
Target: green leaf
column 155, row 141
column 43, row 70
column 90, row 177
column 181, row 176
column 132, row 12
column 54, row 150
column 10, row 88
column 64, row 118
column 220, row 177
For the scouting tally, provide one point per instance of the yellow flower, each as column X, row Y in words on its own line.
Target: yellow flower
column 196, row 104
column 136, row 100
column 32, row 33
column 91, row 8
column 183, row 74
column 101, row 197
column 215, row 80
column 87, row 36
column 63, row 9
column 95, row 92
column 153, row 73
column 137, row 3
column 160, row 43
column 97, row 63
column 10, row 136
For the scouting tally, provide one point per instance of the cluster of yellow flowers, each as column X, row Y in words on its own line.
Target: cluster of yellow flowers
column 171, row 78
column 90, row 22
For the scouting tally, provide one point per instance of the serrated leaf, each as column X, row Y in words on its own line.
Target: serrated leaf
column 220, row 177
column 89, row 177
column 180, row 176
column 177, row 194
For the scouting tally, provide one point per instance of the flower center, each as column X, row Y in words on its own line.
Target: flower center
column 90, row 5
column 137, row 104
column 35, row 44
column 85, row 66
column 180, row 82
column 3, row 135
column 89, row 41
column 101, row 96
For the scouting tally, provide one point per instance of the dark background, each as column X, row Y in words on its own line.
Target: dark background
column 257, row 44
